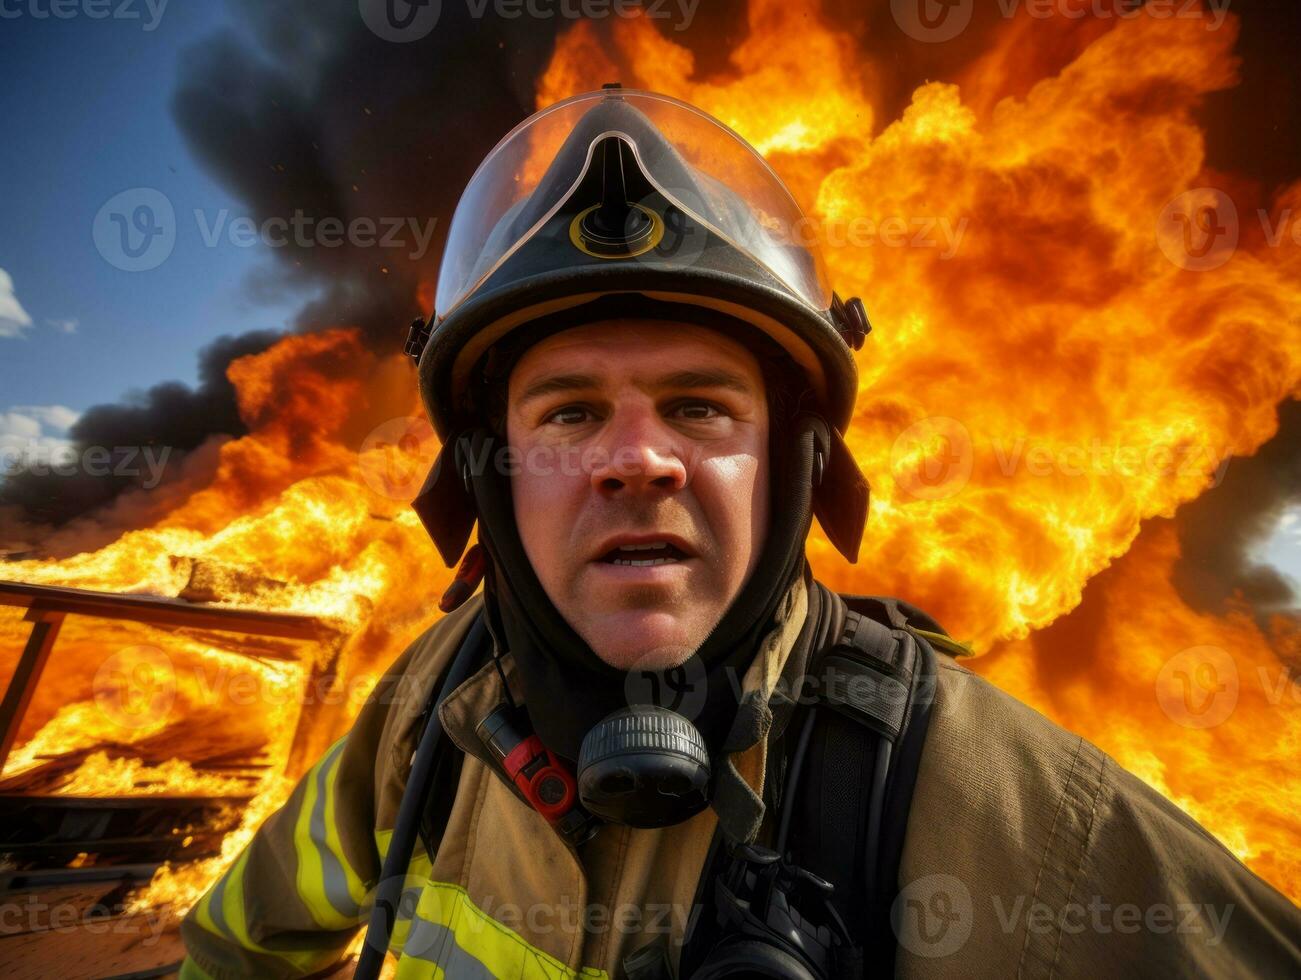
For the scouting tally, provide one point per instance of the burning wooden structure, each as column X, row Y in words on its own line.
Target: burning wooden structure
column 70, row 861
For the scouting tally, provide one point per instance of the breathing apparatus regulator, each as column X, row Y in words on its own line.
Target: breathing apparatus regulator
column 628, row 204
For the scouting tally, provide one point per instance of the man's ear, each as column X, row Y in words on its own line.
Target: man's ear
column 445, row 505
column 840, row 496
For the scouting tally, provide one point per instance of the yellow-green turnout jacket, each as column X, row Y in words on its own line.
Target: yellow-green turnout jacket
column 1028, row 852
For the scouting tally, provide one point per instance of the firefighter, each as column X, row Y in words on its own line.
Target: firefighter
column 653, row 745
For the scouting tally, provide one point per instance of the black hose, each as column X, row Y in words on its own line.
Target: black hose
column 876, row 803
column 388, row 893
column 792, row 786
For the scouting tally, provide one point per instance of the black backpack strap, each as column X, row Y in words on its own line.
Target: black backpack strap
column 867, row 674
column 906, row 761
column 830, row 819
column 898, row 614
column 875, row 684
column 861, row 719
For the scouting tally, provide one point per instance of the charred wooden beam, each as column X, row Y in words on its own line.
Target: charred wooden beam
column 45, row 629
column 113, row 874
column 41, row 833
column 164, row 612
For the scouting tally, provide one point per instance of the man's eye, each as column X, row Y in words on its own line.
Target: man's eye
column 696, row 411
column 569, row 415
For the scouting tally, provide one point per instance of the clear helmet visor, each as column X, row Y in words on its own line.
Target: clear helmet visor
column 692, row 159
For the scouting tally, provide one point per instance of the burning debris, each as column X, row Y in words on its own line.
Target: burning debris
column 142, row 795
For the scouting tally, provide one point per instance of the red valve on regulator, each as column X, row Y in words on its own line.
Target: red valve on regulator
column 538, row 773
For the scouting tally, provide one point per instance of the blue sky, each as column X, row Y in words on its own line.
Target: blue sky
column 85, row 111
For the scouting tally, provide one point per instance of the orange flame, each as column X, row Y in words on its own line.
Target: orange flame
column 1053, row 364
column 1057, row 366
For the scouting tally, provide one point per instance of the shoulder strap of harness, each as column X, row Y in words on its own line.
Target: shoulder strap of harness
column 845, row 763
column 877, row 677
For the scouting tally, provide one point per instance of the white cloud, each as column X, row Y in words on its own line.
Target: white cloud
column 69, row 325
column 15, row 425
column 13, row 318
column 34, row 432
column 1282, row 548
column 50, row 416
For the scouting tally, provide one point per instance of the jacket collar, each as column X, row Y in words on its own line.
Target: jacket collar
column 739, row 774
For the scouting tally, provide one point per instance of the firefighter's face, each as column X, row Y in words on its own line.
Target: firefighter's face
column 641, row 490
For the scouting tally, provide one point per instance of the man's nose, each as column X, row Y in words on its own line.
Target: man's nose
column 638, row 453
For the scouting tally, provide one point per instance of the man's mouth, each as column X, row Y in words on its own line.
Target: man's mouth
column 644, row 555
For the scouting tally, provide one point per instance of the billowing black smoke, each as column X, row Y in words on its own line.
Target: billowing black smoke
column 159, row 426
column 308, row 112
column 324, row 118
